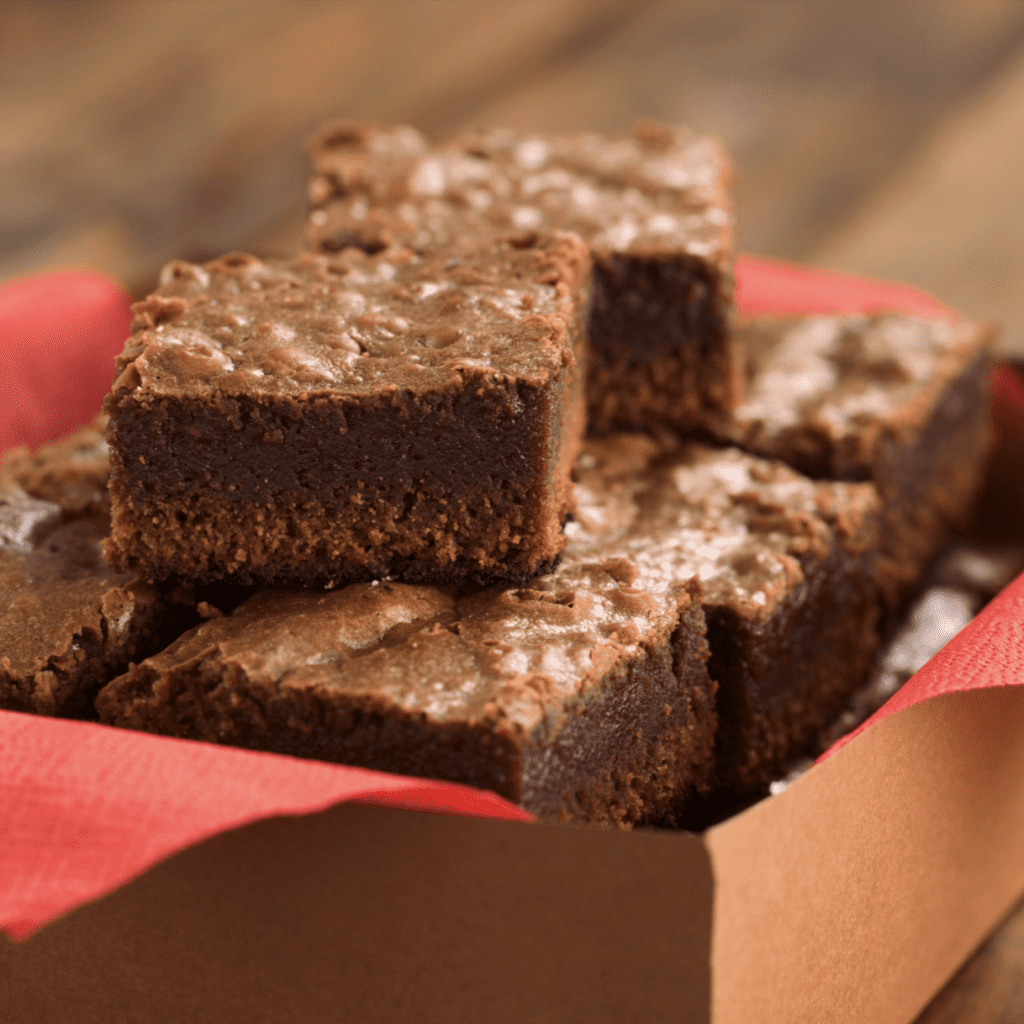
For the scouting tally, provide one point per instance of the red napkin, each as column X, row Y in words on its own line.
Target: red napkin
column 59, row 334
column 769, row 286
column 85, row 808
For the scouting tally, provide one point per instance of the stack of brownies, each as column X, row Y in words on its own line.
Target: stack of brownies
column 492, row 486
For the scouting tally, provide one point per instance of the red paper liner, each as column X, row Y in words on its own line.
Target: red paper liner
column 86, row 808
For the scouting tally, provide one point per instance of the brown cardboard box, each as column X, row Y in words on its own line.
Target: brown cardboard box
column 850, row 897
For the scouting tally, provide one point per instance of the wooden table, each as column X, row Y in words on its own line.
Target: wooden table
column 989, row 988
column 871, row 136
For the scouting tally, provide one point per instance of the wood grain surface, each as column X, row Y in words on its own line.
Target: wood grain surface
column 875, row 136
column 989, row 988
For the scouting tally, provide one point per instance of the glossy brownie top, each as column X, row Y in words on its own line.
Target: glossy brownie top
column 659, row 189
column 356, row 324
column 821, row 389
column 56, row 592
column 749, row 530
column 652, row 522
column 24, row 520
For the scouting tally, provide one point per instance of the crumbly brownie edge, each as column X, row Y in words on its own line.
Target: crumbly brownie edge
column 782, row 680
column 928, row 488
column 126, row 623
column 636, row 746
column 327, row 492
column 662, row 352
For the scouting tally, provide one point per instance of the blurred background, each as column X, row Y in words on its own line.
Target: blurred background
column 884, row 137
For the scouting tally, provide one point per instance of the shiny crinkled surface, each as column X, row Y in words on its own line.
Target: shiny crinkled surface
column 352, row 323
column 658, row 188
column 746, row 528
column 24, row 520
column 837, row 375
column 505, row 652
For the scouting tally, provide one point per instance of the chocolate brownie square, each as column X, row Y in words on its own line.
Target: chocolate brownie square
column 68, row 623
column 900, row 401
column 653, row 206
column 786, row 567
column 331, row 419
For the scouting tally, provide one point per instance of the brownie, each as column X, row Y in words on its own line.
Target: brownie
column 887, row 397
column 653, row 206
column 333, row 419
column 786, row 565
column 72, row 471
column 68, row 623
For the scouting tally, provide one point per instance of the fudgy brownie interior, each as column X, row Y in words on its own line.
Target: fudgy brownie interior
column 326, row 420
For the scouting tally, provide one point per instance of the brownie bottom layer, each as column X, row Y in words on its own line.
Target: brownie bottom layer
column 206, row 540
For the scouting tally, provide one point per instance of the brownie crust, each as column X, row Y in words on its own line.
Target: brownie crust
column 653, row 207
column 890, row 398
column 333, row 419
